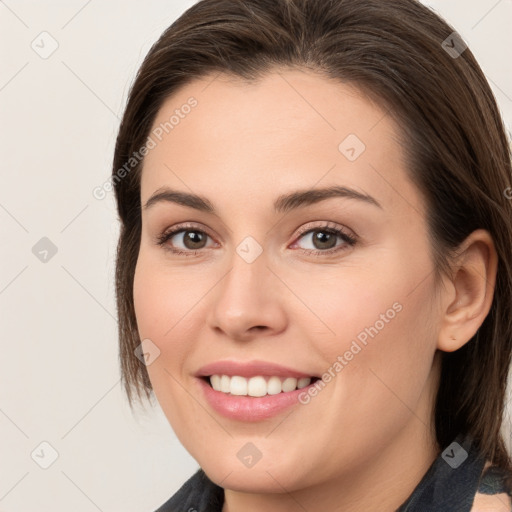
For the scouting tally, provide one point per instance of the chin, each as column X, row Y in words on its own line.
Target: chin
column 260, row 479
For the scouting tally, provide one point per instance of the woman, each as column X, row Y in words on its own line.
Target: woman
column 314, row 274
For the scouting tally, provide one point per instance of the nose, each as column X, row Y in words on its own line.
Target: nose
column 248, row 302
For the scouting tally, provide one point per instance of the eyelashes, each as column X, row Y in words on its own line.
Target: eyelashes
column 164, row 238
column 332, row 231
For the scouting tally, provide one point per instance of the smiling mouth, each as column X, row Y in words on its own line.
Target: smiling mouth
column 257, row 386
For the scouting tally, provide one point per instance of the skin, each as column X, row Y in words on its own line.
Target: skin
column 365, row 441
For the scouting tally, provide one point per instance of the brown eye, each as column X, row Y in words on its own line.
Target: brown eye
column 324, row 239
column 184, row 240
column 194, row 239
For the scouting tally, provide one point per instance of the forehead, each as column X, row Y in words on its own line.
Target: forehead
column 288, row 127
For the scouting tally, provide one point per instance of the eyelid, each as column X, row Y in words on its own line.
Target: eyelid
column 183, row 227
column 310, row 226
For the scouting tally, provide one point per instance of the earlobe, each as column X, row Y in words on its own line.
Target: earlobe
column 472, row 290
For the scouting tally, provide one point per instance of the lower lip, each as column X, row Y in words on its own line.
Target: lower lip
column 248, row 408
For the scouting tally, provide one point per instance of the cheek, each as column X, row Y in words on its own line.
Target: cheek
column 169, row 307
column 346, row 305
column 397, row 340
column 148, row 303
column 386, row 342
column 380, row 322
column 161, row 298
column 158, row 308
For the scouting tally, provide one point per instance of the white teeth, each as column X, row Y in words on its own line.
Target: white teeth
column 215, row 382
column 289, row 384
column 274, row 386
column 302, row 383
column 238, row 386
column 257, row 386
column 225, row 384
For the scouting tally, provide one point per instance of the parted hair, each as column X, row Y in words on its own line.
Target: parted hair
column 407, row 58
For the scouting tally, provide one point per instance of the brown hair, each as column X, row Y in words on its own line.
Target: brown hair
column 457, row 151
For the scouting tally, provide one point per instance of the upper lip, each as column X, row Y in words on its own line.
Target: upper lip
column 249, row 369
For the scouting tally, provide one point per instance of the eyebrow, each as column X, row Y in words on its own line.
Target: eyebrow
column 282, row 204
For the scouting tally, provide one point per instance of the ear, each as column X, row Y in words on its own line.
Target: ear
column 468, row 294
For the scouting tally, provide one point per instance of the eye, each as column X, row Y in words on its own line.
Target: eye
column 189, row 240
column 324, row 240
column 184, row 240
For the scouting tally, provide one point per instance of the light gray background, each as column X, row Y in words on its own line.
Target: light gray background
column 59, row 378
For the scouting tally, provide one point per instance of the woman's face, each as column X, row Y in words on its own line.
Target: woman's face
column 263, row 278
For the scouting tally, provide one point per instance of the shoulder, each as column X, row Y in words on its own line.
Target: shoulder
column 494, row 492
